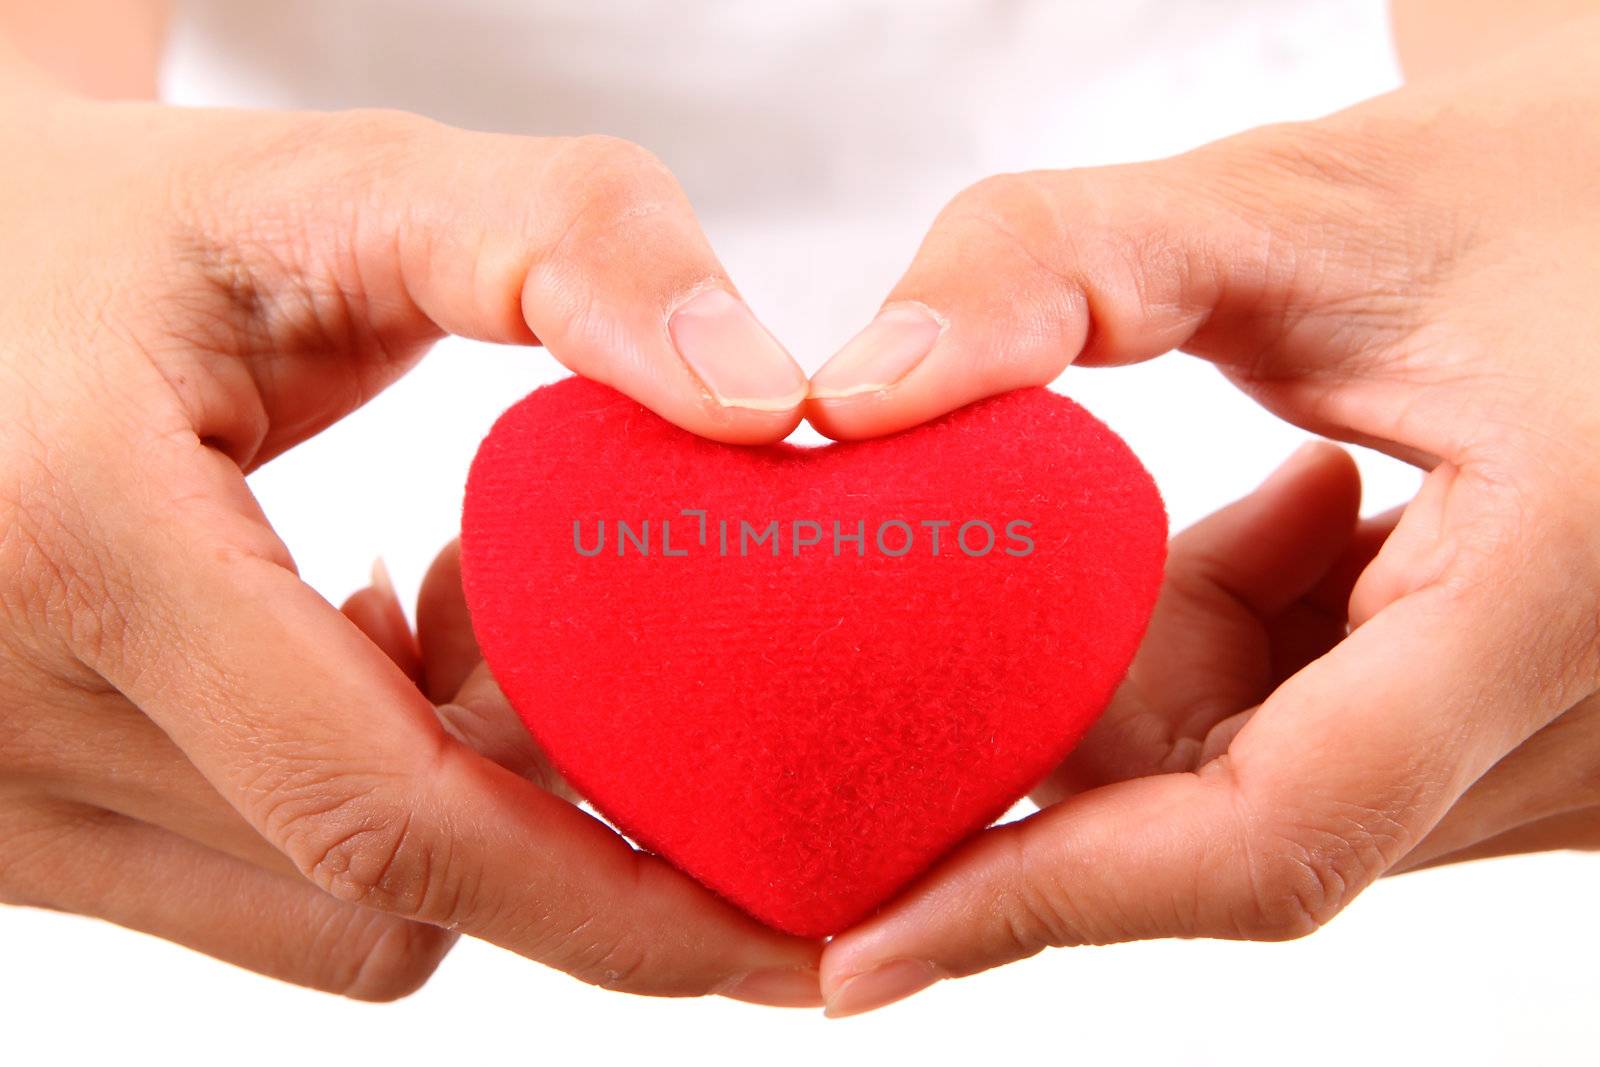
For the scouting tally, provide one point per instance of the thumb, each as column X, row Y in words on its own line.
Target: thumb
column 379, row 232
column 1223, row 252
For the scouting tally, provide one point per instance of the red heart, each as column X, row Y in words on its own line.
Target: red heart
column 805, row 732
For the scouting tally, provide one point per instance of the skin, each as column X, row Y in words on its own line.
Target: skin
column 1435, row 38
column 194, row 743
column 1416, row 274
column 198, row 746
column 96, row 49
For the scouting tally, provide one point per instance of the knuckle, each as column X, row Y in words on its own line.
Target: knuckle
column 35, row 580
column 1354, row 159
column 368, row 852
column 264, row 253
column 1293, row 894
column 1073, row 232
column 613, row 955
column 608, row 184
column 19, row 842
column 58, row 586
column 1305, row 151
column 373, row 861
column 1036, row 239
column 33, row 839
column 271, row 196
column 1321, row 184
column 53, row 721
column 388, row 958
column 384, row 132
column 1000, row 193
column 1017, row 207
column 1519, row 510
column 598, row 952
column 1588, row 790
column 1571, row 603
column 598, row 156
column 620, row 965
column 593, row 951
column 1302, row 875
column 1035, row 911
column 610, row 206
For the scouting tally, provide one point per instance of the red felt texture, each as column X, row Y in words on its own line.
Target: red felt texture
column 806, row 732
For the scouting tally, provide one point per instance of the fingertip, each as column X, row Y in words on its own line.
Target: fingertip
column 690, row 407
column 926, row 396
column 383, row 582
column 688, row 402
column 1333, row 595
column 890, row 347
column 441, row 594
column 883, row 379
column 913, row 364
column 796, row 987
column 1325, row 462
column 359, row 606
column 1320, row 486
column 885, row 984
column 899, row 951
column 448, row 646
column 749, row 388
column 735, row 425
column 1274, row 545
column 375, row 610
column 1317, row 490
column 931, row 931
column 851, row 419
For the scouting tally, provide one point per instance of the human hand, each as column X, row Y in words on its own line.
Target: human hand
column 1263, row 588
column 445, row 662
column 1417, row 274
column 193, row 743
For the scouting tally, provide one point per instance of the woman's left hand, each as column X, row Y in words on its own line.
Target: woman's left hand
column 1416, row 274
column 1255, row 592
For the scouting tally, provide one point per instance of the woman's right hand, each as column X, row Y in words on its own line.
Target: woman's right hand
column 194, row 743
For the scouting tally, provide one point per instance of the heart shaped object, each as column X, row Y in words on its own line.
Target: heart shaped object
column 804, row 674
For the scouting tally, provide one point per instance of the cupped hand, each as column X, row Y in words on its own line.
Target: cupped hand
column 192, row 742
column 1416, row 274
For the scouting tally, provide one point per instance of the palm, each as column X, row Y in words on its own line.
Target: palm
column 1260, row 589
column 1253, row 593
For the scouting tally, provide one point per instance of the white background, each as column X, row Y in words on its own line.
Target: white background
column 817, row 140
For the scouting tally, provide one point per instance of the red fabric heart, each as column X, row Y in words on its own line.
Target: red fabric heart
column 805, row 732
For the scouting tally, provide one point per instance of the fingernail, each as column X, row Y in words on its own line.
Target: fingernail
column 733, row 355
column 382, row 583
column 884, row 984
column 778, row 989
column 880, row 355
